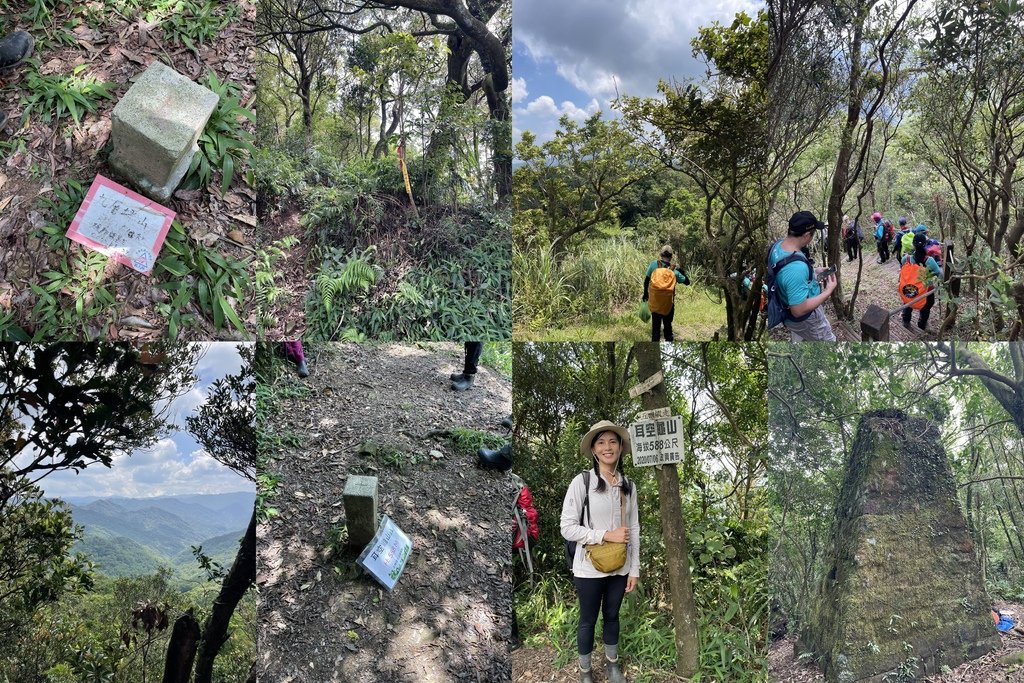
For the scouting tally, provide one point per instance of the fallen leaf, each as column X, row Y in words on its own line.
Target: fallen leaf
column 237, row 236
column 5, row 202
column 131, row 56
column 242, row 218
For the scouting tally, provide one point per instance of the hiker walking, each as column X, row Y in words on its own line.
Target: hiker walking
column 601, row 526
column 853, row 236
column 660, row 292
column 897, row 242
column 795, row 294
column 883, row 233
column 918, row 268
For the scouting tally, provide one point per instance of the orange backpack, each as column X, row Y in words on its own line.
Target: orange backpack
column 661, row 291
column 912, row 283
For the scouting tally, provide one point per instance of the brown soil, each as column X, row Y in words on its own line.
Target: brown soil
column 289, row 310
column 783, row 666
column 447, row 620
column 117, row 52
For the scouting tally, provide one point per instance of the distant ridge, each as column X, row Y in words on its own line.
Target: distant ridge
column 131, row 536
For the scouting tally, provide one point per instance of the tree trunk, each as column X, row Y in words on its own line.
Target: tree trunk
column 241, row 575
column 677, row 552
column 181, row 651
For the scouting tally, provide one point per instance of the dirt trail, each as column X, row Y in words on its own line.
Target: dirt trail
column 447, row 619
column 783, row 666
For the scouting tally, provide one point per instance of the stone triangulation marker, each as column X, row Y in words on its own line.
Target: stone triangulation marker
column 902, row 594
column 155, row 127
column 360, row 497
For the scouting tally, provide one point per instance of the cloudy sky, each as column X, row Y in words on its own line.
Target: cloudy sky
column 176, row 464
column 569, row 57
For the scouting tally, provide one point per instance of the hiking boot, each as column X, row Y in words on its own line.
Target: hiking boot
column 15, row 49
column 303, row 369
column 500, row 459
column 585, row 677
column 614, row 672
column 463, row 382
column 507, row 422
column 455, row 376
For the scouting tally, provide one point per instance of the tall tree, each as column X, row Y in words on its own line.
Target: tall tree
column 677, row 551
column 225, row 427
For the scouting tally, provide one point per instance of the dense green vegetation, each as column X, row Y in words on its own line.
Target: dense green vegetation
column 349, row 102
column 81, row 638
column 719, row 389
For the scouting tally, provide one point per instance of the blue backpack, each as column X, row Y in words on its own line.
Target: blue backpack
column 879, row 231
column 778, row 312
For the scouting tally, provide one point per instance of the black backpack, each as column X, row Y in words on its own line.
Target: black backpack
column 570, row 546
column 778, row 311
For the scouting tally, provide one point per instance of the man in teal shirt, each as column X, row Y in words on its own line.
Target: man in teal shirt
column 797, row 285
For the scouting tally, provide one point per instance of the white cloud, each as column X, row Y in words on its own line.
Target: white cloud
column 519, row 91
column 545, row 106
column 625, row 46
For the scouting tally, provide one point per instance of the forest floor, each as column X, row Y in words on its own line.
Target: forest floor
column 783, row 666
column 441, row 273
column 537, row 665
column 447, row 619
column 43, row 156
column 697, row 318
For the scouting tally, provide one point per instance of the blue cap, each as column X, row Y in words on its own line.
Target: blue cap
column 903, row 220
column 921, row 227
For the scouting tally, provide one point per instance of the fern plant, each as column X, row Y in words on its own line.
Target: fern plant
column 356, row 275
column 265, row 276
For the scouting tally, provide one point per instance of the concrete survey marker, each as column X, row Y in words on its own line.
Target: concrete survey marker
column 155, row 128
column 360, row 497
column 902, row 595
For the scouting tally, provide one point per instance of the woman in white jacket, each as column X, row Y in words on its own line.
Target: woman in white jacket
column 592, row 515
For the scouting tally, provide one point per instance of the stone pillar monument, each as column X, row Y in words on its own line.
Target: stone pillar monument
column 902, row 594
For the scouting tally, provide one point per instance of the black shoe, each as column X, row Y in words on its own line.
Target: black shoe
column 463, row 382
column 303, row 370
column 507, row 422
column 614, row 672
column 15, row 49
column 500, row 459
column 586, row 677
column 455, row 376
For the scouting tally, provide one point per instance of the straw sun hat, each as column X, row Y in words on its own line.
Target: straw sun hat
column 604, row 426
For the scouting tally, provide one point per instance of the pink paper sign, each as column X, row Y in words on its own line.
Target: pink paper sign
column 125, row 226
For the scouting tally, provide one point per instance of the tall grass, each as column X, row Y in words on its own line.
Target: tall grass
column 601, row 280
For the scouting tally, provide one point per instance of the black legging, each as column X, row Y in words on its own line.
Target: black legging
column 883, row 250
column 473, row 351
column 604, row 594
column 922, row 319
column 656, row 323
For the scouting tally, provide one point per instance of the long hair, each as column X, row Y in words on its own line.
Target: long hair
column 626, row 485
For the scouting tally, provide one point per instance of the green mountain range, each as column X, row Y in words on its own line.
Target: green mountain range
column 133, row 536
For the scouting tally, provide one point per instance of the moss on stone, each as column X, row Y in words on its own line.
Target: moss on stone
column 903, row 594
